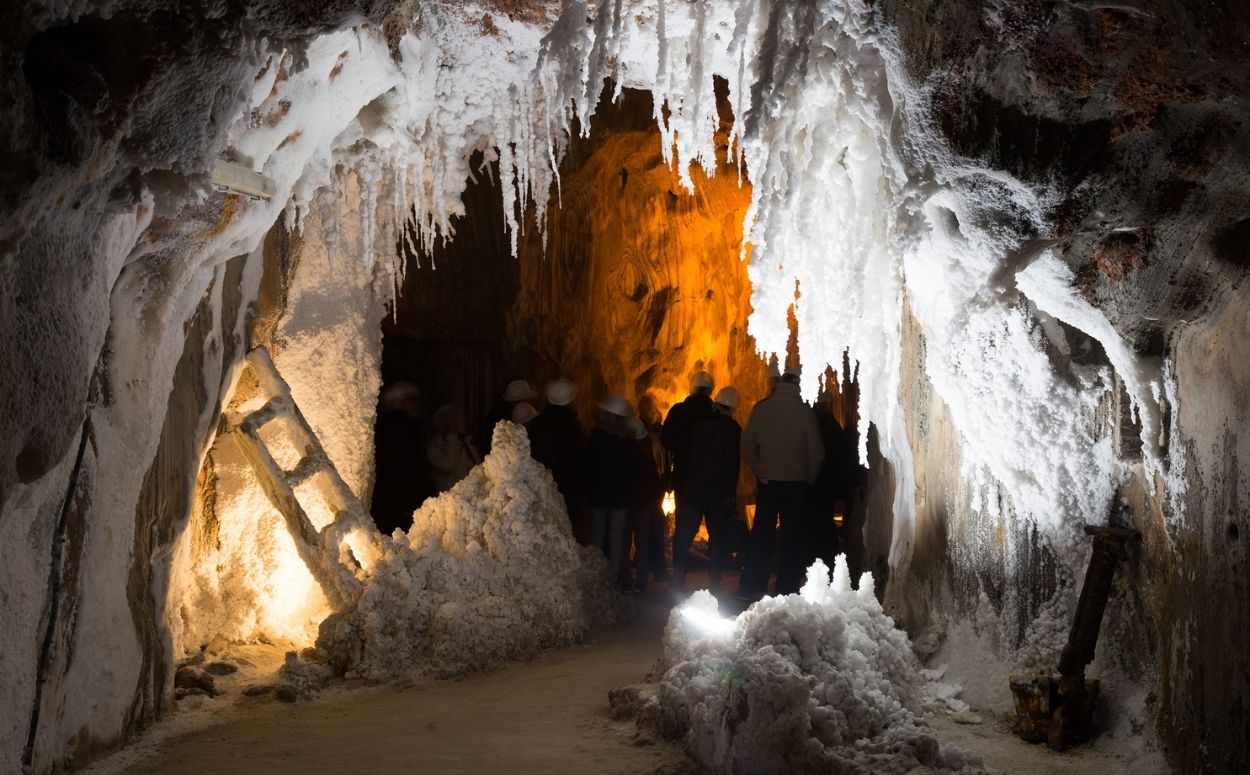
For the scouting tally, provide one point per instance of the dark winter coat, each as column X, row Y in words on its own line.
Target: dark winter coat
column 610, row 461
column 712, row 476
column 556, row 442
column 648, row 487
column 403, row 477
column 839, row 472
column 678, row 431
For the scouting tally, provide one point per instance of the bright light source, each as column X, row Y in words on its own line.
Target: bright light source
column 707, row 622
column 363, row 547
column 291, row 602
column 669, row 505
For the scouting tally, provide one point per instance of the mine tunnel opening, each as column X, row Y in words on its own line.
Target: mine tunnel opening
column 631, row 285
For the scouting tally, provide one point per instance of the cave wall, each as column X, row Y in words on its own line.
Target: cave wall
column 112, row 251
column 120, row 273
column 238, row 576
column 1134, row 117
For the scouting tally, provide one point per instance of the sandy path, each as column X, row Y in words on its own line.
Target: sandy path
column 549, row 715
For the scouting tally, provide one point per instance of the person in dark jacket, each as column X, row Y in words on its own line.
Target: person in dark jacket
column 450, row 450
column 679, row 429
column 403, row 477
column 556, row 442
column 645, row 504
column 710, row 488
column 610, row 459
column 832, row 489
column 518, row 390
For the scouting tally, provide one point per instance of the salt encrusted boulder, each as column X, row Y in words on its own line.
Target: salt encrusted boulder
column 489, row 571
column 815, row 682
column 190, row 677
column 300, row 679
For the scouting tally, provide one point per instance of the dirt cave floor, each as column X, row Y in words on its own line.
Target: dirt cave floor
column 546, row 715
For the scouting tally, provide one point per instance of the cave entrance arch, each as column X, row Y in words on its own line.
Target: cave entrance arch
column 634, row 286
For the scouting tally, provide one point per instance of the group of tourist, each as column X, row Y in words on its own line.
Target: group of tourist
column 803, row 461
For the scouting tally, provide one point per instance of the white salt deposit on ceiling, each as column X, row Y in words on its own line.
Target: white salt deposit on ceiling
column 857, row 199
column 856, row 202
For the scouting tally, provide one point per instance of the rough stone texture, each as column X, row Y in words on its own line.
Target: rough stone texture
column 108, row 106
column 1136, row 115
column 319, row 320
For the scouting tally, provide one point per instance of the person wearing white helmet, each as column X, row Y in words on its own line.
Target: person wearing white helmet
column 609, row 457
column 710, row 489
column 679, row 428
column 556, row 442
column 782, row 446
column 517, row 390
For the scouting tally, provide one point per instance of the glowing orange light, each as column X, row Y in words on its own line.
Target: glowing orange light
column 291, row 603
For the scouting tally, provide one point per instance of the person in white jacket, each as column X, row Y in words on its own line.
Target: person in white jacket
column 782, row 446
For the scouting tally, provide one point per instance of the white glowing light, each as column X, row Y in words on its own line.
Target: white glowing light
column 669, row 506
column 363, row 547
column 707, row 622
column 291, row 604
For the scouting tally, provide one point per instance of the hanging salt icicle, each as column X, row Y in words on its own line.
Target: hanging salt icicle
column 327, row 207
column 368, row 177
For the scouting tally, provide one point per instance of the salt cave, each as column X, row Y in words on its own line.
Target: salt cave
column 1005, row 241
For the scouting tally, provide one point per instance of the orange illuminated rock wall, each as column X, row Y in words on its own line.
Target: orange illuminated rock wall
column 641, row 283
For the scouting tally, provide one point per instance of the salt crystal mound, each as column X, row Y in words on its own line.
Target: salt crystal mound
column 489, row 571
column 818, row 681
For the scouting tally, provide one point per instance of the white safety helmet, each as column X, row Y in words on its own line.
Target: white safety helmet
column 728, row 398
column 519, row 390
column 396, row 393
column 701, row 380
column 560, row 392
column 523, row 412
column 615, row 403
column 637, row 429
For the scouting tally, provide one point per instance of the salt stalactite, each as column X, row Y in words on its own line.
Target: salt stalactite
column 327, row 200
column 857, row 199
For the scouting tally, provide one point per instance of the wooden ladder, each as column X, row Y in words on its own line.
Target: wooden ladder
column 339, row 553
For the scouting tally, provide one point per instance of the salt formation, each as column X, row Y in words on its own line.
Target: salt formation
column 815, row 682
column 853, row 188
column 489, row 570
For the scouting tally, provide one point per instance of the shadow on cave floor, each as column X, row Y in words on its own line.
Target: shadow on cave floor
column 548, row 714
